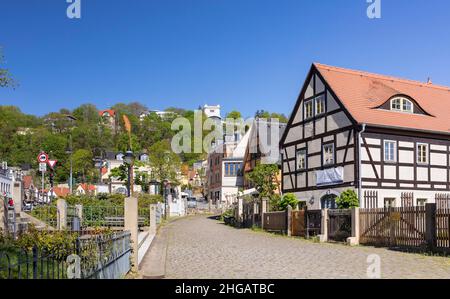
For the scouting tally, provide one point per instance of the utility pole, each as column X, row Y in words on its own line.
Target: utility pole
column 42, row 189
column 71, row 164
column 71, row 118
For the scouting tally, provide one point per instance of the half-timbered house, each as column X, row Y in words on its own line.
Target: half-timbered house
column 386, row 138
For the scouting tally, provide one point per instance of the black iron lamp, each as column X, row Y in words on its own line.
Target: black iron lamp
column 129, row 159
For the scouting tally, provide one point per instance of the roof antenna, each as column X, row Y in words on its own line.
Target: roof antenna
column 429, row 81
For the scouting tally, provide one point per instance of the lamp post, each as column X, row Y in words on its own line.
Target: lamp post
column 154, row 183
column 165, row 182
column 129, row 159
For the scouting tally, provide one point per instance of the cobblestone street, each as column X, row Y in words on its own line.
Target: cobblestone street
column 201, row 248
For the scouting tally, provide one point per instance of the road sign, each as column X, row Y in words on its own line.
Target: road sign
column 52, row 163
column 42, row 167
column 42, row 158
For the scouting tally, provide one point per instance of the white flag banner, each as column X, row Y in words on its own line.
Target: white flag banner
column 330, row 176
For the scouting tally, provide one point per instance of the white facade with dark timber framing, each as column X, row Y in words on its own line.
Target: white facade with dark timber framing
column 371, row 133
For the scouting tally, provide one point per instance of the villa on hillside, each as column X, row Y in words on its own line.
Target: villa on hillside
column 384, row 137
column 108, row 117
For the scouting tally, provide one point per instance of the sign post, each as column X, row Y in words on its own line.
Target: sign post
column 52, row 164
column 43, row 160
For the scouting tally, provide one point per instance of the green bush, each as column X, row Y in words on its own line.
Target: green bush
column 60, row 244
column 146, row 199
column 347, row 200
column 288, row 199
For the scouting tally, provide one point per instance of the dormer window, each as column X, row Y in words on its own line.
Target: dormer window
column 402, row 104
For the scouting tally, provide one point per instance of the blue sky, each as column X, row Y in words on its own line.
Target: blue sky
column 242, row 54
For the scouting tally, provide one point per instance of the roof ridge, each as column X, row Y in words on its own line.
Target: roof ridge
column 380, row 76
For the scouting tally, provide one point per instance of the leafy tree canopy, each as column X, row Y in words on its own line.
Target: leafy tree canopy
column 6, row 79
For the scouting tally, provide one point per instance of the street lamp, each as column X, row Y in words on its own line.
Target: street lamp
column 98, row 163
column 129, row 159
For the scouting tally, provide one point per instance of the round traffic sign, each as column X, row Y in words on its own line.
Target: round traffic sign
column 42, row 158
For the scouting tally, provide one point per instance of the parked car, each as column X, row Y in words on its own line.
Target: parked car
column 192, row 202
column 27, row 206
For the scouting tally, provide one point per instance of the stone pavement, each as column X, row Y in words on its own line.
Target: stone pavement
column 201, row 248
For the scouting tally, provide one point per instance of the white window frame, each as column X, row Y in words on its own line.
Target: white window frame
column 400, row 103
column 391, row 200
column 404, row 102
column 394, row 158
column 421, row 202
column 307, row 116
column 320, row 99
column 324, row 154
column 301, row 153
column 427, row 153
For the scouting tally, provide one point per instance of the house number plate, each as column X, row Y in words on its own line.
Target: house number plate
column 395, row 216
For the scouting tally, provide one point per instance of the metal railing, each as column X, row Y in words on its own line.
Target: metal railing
column 144, row 216
column 47, row 214
column 105, row 256
column 16, row 263
column 102, row 216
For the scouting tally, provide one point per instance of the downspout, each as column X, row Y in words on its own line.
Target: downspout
column 360, row 163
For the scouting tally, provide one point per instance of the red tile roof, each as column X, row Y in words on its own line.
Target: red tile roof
column 27, row 181
column 61, row 191
column 361, row 93
column 87, row 187
column 109, row 111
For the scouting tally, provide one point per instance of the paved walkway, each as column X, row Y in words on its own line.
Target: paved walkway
column 201, row 248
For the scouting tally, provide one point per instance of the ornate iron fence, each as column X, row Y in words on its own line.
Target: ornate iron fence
column 100, row 256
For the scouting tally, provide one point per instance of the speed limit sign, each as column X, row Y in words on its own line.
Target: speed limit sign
column 42, row 158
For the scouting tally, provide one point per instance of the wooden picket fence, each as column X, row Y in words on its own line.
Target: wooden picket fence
column 275, row 221
column 298, row 223
column 443, row 220
column 393, row 227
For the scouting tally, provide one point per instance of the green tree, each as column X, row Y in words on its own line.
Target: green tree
column 164, row 163
column 140, row 178
column 82, row 164
column 288, row 199
column 153, row 129
column 234, row 115
column 266, row 114
column 6, row 79
column 264, row 178
column 87, row 114
column 347, row 200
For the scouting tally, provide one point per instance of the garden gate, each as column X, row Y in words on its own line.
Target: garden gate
column 443, row 221
column 339, row 225
column 394, row 227
column 298, row 227
column 313, row 222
